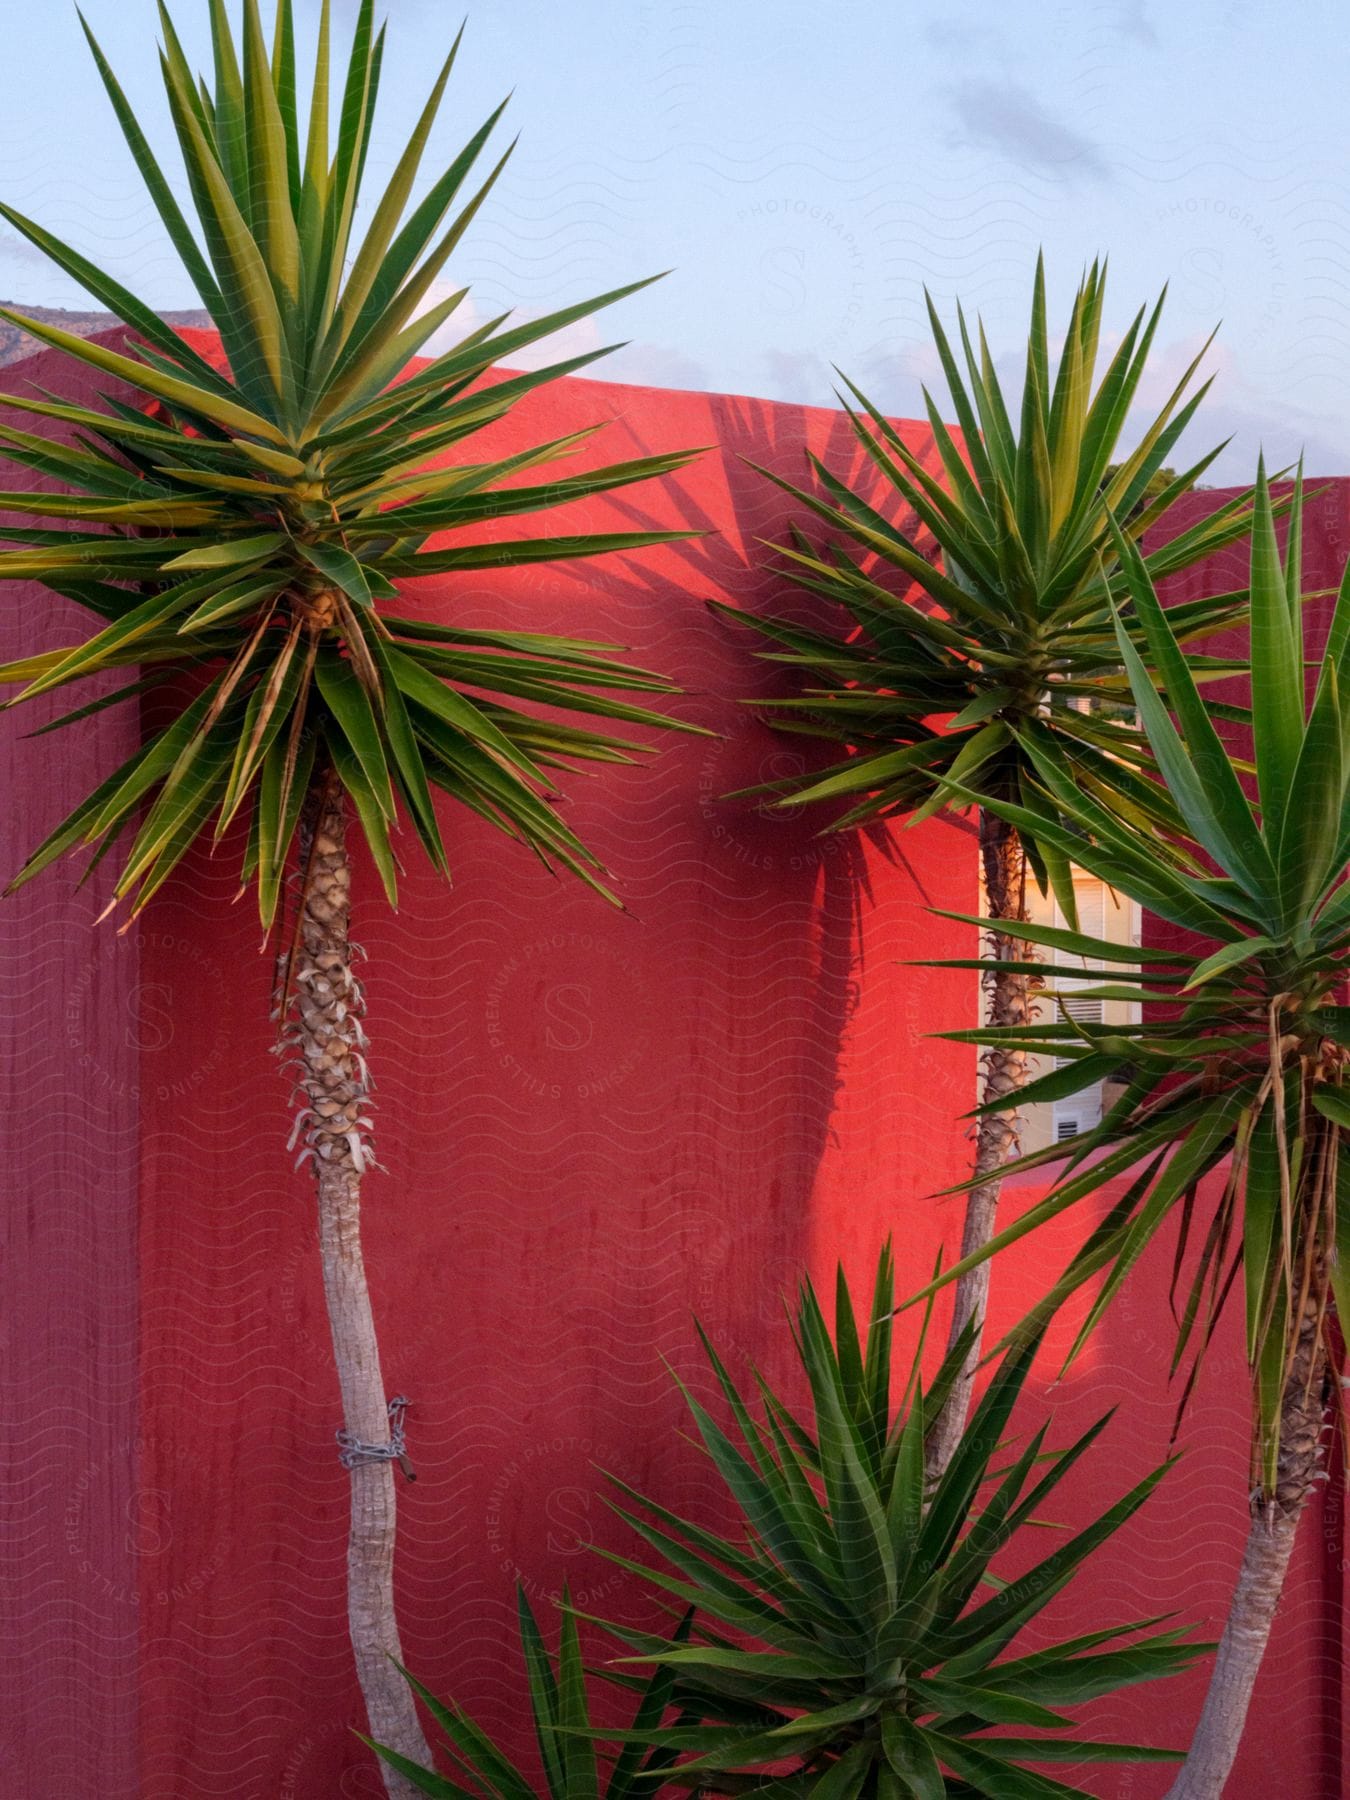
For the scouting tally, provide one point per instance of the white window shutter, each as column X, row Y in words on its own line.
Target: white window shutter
column 1082, row 1111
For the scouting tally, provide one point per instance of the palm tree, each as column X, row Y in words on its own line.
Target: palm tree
column 962, row 659
column 1241, row 1056
column 238, row 537
column 850, row 1638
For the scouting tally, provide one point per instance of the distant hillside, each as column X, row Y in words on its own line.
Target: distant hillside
column 16, row 344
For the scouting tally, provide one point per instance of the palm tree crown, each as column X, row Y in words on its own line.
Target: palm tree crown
column 246, row 528
column 1007, row 649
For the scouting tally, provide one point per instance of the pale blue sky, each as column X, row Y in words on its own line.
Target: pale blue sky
column 807, row 168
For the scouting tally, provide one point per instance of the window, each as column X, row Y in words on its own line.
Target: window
column 1104, row 914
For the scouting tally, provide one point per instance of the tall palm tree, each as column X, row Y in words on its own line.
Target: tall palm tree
column 1241, row 1055
column 965, row 652
column 238, row 538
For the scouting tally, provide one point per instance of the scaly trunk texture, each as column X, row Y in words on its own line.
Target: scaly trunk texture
column 328, row 1039
column 1011, row 999
column 1265, row 1562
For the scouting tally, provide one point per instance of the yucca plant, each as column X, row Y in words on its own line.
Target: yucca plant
column 564, row 1730
column 979, row 630
column 1237, row 1066
column 850, row 1633
column 238, row 537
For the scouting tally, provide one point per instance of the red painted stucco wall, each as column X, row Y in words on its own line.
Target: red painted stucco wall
column 70, row 1125
column 593, row 1125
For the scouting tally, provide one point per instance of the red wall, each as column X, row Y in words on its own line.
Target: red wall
column 71, row 1513
column 593, row 1125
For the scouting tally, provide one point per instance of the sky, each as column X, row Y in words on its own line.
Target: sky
column 806, row 170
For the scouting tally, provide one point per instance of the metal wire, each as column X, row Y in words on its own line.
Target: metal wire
column 352, row 1452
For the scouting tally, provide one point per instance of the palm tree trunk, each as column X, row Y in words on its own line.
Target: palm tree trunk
column 1265, row 1563
column 328, row 1039
column 1010, row 998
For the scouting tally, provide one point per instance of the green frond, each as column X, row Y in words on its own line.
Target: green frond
column 850, row 1632
column 244, row 528
column 564, row 1729
column 987, row 591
